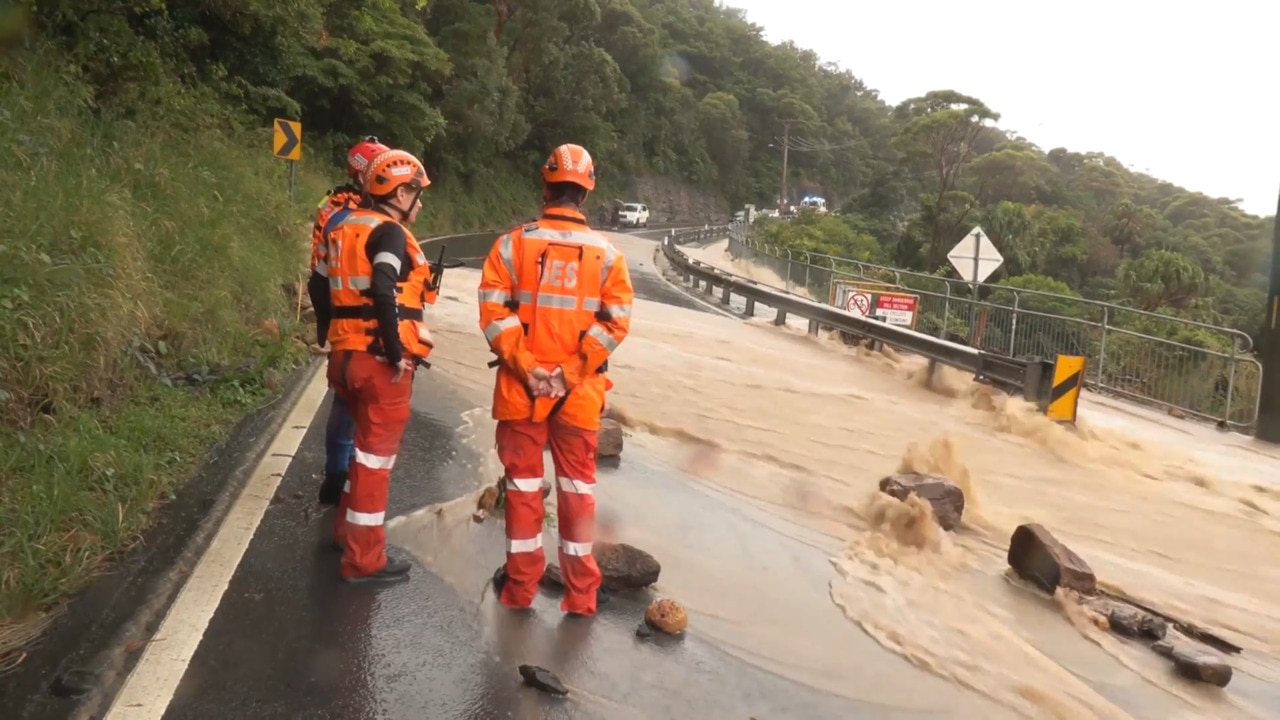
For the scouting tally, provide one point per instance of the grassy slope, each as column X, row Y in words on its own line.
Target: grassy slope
column 135, row 250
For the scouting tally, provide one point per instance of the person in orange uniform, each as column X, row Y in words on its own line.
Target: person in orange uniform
column 555, row 302
column 377, row 340
column 340, row 429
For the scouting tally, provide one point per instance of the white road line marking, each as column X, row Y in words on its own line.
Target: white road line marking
column 149, row 689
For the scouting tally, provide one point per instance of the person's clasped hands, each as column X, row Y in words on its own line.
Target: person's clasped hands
column 547, row 383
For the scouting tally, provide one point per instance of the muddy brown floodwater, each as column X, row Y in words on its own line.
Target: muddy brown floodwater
column 901, row 615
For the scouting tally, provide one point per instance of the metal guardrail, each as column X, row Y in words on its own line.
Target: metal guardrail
column 1125, row 359
column 1031, row 377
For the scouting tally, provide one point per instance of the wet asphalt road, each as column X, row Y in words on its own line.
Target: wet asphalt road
column 290, row 640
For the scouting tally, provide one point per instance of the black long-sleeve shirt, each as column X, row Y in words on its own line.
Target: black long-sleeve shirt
column 387, row 250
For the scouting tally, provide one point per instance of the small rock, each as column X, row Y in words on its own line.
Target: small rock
column 644, row 630
column 625, row 567
column 946, row 498
column 542, row 679
column 1128, row 620
column 609, row 439
column 1195, row 663
column 488, row 499
column 74, row 683
column 1040, row 558
column 667, row 615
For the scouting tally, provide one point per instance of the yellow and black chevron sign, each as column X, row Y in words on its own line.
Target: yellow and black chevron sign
column 1068, row 381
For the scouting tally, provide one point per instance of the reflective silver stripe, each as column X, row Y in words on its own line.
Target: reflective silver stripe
column 359, row 220
column 618, row 311
column 365, row 519
column 358, row 282
column 506, row 253
column 611, row 256
column 376, row 462
column 576, row 549
column 322, row 268
column 605, row 339
column 524, row 546
column 581, row 487
column 346, row 486
column 574, row 236
column 496, row 328
column 558, row 301
column 525, row 484
column 420, row 259
column 386, row 258
column 494, row 296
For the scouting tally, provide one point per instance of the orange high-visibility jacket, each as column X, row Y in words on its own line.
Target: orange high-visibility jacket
column 554, row 292
column 355, row 325
column 343, row 197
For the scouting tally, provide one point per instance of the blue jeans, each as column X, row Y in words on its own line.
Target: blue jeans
column 339, row 437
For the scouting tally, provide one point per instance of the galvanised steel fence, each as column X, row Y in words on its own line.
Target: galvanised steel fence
column 1183, row 366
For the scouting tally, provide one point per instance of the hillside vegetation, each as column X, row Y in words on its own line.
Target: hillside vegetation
column 150, row 231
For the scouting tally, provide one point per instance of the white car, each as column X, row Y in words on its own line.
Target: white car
column 634, row 215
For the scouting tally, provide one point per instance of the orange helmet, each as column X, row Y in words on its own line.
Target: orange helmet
column 572, row 164
column 391, row 169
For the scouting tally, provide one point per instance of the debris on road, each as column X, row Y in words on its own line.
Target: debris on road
column 667, row 615
column 552, row 579
column 609, row 443
column 1040, row 558
column 542, row 679
column 946, row 498
column 1127, row 620
column 487, row 501
column 1195, row 663
column 625, row 567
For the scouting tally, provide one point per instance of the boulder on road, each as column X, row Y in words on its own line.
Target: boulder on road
column 625, row 567
column 609, row 439
column 946, row 498
column 1040, row 558
column 1195, row 663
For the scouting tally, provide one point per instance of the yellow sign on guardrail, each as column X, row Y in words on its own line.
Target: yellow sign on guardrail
column 1068, row 381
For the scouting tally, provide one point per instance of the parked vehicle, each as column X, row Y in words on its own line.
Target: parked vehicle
column 634, row 215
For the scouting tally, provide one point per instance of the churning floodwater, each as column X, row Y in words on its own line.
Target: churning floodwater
column 818, row 577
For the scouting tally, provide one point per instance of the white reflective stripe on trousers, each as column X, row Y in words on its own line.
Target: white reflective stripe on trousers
column 525, row 484
column 576, row 549
column 524, row 546
column 576, row 486
column 375, row 462
column 365, row 519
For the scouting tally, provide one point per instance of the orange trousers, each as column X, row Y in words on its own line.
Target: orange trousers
column 573, row 452
column 381, row 411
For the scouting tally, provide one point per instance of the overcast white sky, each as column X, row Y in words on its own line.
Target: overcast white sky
column 1184, row 91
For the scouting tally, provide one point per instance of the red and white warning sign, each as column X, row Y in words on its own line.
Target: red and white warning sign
column 858, row 303
column 897, row 308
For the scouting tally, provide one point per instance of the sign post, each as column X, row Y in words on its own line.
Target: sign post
column 975, row 258
column 286, row 144
column 1269, row 399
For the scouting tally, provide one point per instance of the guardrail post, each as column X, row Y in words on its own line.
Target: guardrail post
column 724, row 296
column 751, row 307
column 1037, row 382
column 813, row 328
column 781, row 318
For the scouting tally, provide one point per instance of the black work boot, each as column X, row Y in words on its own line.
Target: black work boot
column 499, row 579
column 331, row 487
column 395, row 569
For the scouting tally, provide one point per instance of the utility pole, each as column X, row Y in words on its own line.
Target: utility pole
column 786, row 144
column 1269, row 398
